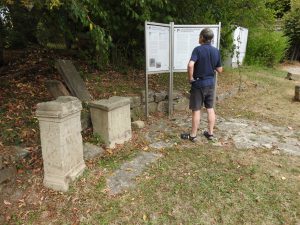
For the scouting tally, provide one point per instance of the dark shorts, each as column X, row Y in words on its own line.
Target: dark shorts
column 200, row 96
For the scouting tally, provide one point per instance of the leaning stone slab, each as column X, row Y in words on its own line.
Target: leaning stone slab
column 73, row 80
column 111, row 120
column 124, row 178
column 61, row 140
column 56, row 88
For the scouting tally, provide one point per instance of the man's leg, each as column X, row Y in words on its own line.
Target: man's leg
column 211, row 117
column 195, row 122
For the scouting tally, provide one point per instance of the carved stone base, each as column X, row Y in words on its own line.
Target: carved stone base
column 61, row 183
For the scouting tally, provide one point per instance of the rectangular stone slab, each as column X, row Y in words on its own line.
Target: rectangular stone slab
column 56, row 88
column 73, row 80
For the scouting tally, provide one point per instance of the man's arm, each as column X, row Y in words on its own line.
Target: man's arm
column 191, row 70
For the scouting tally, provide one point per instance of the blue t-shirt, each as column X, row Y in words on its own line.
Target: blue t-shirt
column 207, row 58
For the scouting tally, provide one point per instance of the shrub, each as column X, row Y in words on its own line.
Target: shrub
column 266, row 48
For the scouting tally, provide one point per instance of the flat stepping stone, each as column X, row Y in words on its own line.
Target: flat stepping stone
column 124, row 178
column 248, row 134
column 161, row 145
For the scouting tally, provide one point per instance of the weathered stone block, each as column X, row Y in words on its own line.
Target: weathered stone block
column 163, row 106
column 138, row 124
column 111, row 120
column 181, row 104
column 62, row 149
column 91, row 151
column 86, row 121
column 297, row 92
column 150, row 95
column 160, row 96
column 135, row 101
column 137, row 113
column 177, row 95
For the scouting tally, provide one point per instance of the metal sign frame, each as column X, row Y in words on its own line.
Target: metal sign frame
column 171, row 70
column 147, row 61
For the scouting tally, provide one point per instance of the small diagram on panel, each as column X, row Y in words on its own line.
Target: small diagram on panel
column 152, row 62
column 158, row 64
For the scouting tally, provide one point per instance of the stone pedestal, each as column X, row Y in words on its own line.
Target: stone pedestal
column 111, row 120
column 61, row 140
column 297, row 92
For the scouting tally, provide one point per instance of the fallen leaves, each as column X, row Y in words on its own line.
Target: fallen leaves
column 7, row 203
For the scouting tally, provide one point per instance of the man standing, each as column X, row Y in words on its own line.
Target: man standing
column 205, row 60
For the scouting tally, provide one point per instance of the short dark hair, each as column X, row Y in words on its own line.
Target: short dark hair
column 207, row 34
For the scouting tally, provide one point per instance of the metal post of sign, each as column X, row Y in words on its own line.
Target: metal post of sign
column 216, row 76
column 171, row 70
column 146, row 77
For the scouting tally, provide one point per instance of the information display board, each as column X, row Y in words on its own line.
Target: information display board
column 186, row 38
column 157, row 47
column 168, row 49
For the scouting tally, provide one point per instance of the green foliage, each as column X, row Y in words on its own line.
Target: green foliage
column 292, row 25
column 265, row 48
column 113, row 31
column 280, row 7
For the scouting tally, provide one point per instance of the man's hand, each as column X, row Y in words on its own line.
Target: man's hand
column 219, row 69
column 192, row 81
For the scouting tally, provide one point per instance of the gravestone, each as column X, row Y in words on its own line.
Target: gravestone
column 73, row 80
column 111, row 120
column 61, row 141
column 56, row 88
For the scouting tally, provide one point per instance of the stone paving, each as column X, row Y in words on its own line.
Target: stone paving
column 245, row 134
column 124, row 178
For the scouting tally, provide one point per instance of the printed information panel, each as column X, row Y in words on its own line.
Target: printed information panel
column 185, row 40
column 157, row 48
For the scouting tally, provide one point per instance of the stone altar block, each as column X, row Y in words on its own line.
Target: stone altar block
column 62, row 148
column 111, row 120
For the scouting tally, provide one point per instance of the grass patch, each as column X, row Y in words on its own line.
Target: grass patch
column 209, row 186
column 267, row 97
